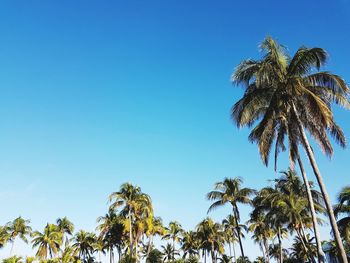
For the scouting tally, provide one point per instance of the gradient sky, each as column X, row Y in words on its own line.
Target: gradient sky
column 97, row 93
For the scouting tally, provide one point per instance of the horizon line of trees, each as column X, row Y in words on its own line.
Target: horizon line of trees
column 127, row 231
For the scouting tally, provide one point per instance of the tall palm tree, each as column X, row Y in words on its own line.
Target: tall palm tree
column 173, row 232
column 130, row 199
column 284, row 92
column 343, row 208
column 48, row 242
column 18, row 228
column 230, row 191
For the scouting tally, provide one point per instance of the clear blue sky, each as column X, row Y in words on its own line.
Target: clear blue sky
column 97, row 93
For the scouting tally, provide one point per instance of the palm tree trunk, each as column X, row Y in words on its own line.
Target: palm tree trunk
column 130, row 235
column 173, row 249
column 12, row 246
column 320, row 253
column 266, row 245
column 234, row 252
column 230, row 249
column 322, row 186
column 149, row 245
column 280, row 245
column 262, row 248
column 238, row 230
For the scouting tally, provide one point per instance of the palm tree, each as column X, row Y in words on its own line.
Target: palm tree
column 4, row 236
column 169, row 252
column 304, row 250
column 231, row 233
column 230, row 191
column 111, row 228
column 262, row 233
column 18, row 228
column 48, row 242
column 154, row 226
column 189, row 243
column 343, row 208
column 285, row 93
column 173, row 232
column 211, row 238
column 65, row 226
column 13, row 259
column 130, row 199
column 83, row 244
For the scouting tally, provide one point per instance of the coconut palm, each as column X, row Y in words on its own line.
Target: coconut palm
column 343, row 208
column 280, row 88
column 13, row 259
column 18, row 228
column 211, row 238
column 169, row 252
column 304, row 249
column 4, row 236
column 83, row 244
column 131, row 199
column 65, row 226
column 230, row 191
column 111, row 233
column 48, row 242
column 154, row 227
column 262, row 233
column 189, row 243
column 173, row 232
column 231, row 233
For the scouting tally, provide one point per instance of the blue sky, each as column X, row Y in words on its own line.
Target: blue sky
column 97, row 93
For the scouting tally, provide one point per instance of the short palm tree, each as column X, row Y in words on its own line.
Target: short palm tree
column 65, row 226
column 173, row 232
column 343, row 209
column 18, row 228
column 131, row 199
column 13, row 259
column 230, row 191
column 169, row 252
column 83, row 244
column 48, row 242
column 285, row 93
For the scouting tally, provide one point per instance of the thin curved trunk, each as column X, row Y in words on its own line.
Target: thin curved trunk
column 238, row 230
column 149, row 245
column 230, row 249
column 320, row 253
column 234, row 252
column 266, row 244
column 262, row 249
column 322, row 186
column 130, row 235
column 280, row 245
column 12, row 246
column 303, row 239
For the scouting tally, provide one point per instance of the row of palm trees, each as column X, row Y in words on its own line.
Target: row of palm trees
column 278, row 211
column 287, row 96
